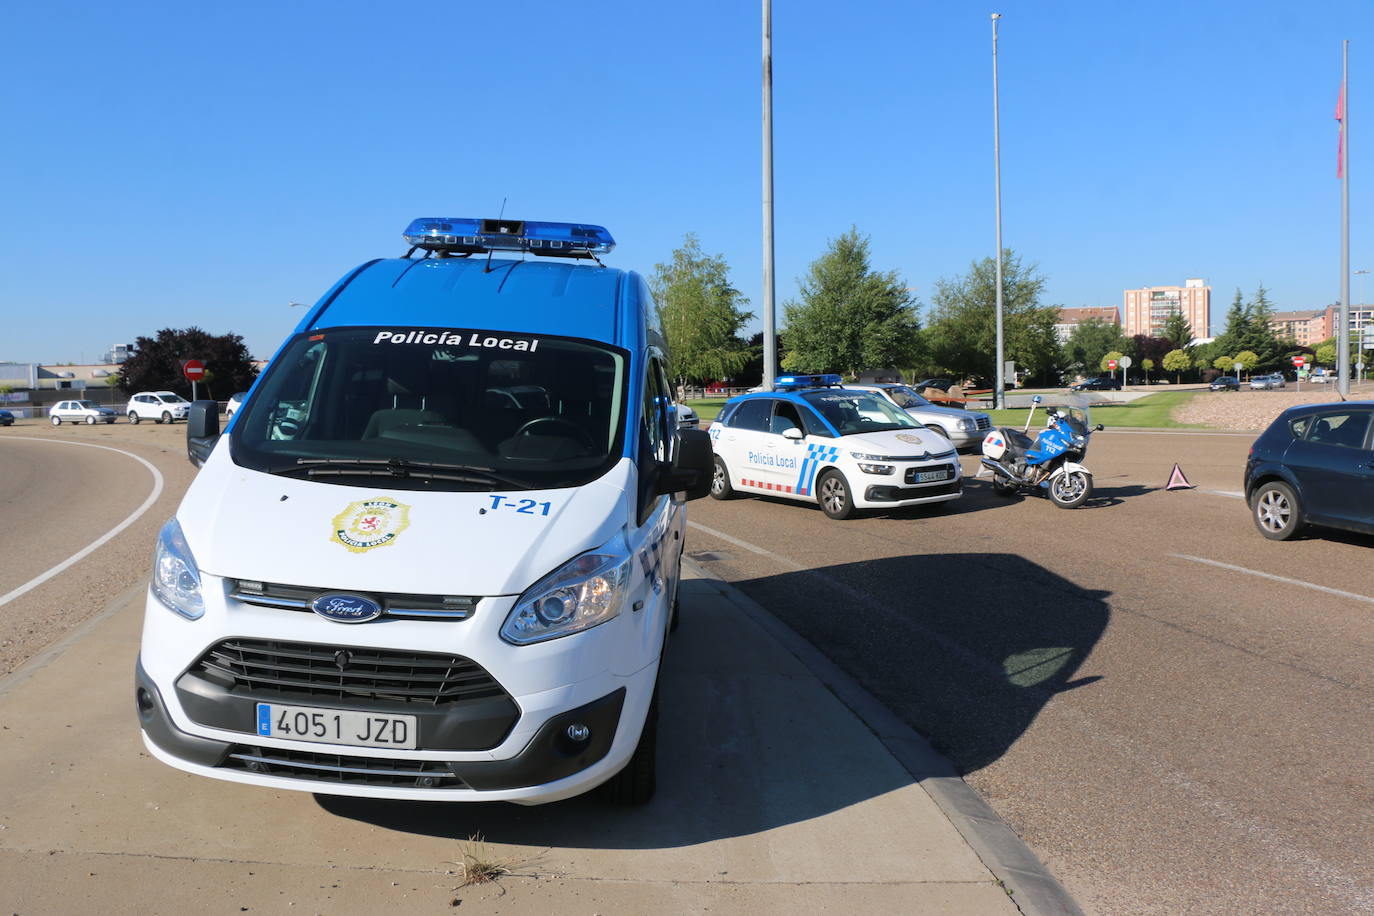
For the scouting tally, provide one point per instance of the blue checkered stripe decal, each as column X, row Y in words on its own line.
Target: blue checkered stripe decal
column 816, row 455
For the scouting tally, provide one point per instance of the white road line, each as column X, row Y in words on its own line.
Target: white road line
column 104, row 538
column 1273, row 578
column 720, row 535
column 1234, row 494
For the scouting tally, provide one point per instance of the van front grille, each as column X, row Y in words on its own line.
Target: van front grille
column 338, row 768
column 314, row 671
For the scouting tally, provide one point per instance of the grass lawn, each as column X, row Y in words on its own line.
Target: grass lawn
column 1151, row 412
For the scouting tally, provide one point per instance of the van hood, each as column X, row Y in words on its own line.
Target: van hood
column 899, row 443
column 245, row 524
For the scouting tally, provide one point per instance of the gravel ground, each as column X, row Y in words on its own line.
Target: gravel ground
column 1246, row 409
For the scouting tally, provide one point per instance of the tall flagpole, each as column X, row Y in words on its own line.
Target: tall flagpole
column 770, row 340
column 1343, row 336
column 1000, row 391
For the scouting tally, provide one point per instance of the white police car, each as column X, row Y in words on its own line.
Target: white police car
column 814, row 441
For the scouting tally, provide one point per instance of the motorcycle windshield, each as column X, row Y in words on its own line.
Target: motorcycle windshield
column 1076, row 417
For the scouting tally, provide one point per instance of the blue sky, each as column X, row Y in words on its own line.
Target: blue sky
column 173, row 164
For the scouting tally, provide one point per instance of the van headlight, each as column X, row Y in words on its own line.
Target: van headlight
column 176, row 579
column 584, row 592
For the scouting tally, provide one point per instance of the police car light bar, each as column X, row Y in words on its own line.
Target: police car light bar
column 786, row 382
column 472, row 236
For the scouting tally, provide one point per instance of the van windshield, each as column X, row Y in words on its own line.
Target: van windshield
column 436, row 408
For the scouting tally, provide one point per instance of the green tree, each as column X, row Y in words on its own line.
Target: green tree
column 1147, row 364
column 962, row 333
column 1089, row 341
column 1247, row 328
column 849, row 317
column 700, row 314
column 1247, row 358
column 1326, row 354
column 155, row 364
column 1177, row 361
column 1224, row 363
column 1177, row 330
column 1108, row 357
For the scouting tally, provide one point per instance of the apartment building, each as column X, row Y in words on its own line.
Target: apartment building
column 1146, row 309
column 1071, row 318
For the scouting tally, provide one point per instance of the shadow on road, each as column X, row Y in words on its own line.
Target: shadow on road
column 967, row 648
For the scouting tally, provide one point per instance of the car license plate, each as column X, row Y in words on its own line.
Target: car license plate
column 336, row 726
column 927, row 476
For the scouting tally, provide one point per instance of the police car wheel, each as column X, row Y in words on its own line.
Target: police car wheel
column 720, row 481
column 835, row 498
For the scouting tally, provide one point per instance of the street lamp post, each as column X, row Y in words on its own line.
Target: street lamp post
column 770, row 340
column 999, row 393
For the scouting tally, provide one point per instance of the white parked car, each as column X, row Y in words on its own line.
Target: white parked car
column 235, row 402
column 965, row 428
column 815, row 441
column 80, row 412
column 159, row 406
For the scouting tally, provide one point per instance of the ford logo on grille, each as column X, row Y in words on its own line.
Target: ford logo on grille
column 346, row 608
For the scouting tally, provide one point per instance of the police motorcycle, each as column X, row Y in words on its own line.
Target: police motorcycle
column 1050, row 462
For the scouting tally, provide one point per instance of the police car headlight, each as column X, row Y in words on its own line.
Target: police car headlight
column 582, row 593
column 176, row 578
column 868, row 468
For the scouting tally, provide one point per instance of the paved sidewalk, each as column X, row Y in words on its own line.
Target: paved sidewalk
column 774, row 797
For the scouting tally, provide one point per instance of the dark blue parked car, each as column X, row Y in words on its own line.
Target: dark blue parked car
column 1314, row 464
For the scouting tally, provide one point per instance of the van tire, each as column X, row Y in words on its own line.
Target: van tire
column 635, row 784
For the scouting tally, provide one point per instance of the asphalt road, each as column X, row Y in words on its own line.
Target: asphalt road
column 1156, row 698
column 62, row 490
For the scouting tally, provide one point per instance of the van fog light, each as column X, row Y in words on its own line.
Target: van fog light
column 578, row 732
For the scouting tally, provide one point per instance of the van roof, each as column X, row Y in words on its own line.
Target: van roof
column 526, row 296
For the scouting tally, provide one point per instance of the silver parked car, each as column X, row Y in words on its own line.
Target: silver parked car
column 963, row 428
column 80, row 412
column 1266, row 382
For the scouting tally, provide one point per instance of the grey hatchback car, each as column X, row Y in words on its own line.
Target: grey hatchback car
column 963, row 428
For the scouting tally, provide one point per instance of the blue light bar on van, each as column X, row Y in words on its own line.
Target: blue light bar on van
column 788, row 382
column 477, row 235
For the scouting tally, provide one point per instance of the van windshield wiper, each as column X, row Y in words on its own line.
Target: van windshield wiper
column 401, row 468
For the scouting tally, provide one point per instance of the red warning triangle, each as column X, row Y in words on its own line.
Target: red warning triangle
column 1177, row 481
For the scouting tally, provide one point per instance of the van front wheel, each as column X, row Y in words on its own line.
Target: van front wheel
column 635, row 784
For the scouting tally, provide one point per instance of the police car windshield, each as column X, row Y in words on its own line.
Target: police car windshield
column 419, row 406
column 854, row 412
column 905, row 397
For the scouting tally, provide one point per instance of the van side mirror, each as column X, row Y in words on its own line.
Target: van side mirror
column 691, row 471
column 202, row 431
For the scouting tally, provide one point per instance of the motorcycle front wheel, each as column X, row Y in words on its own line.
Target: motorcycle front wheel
column 1069, row 490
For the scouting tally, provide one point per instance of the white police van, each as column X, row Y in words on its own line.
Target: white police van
column 813, row 440
column 435, row 555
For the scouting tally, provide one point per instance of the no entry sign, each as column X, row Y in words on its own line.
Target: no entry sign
column 194, row 370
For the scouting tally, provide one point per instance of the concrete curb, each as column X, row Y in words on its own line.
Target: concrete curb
column 1033, row 889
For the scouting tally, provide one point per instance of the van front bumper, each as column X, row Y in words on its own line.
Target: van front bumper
column 551, row 765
